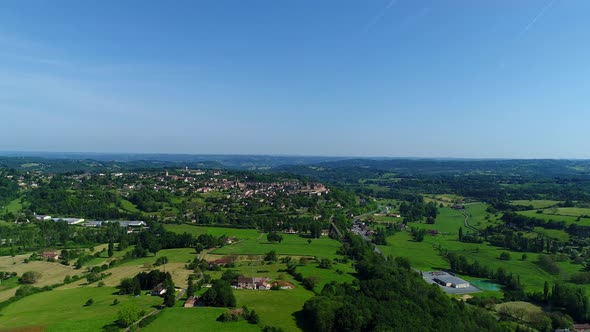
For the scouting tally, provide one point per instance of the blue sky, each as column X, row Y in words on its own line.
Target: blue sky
column 412, row 78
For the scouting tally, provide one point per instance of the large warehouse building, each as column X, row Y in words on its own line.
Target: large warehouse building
column 449, row 280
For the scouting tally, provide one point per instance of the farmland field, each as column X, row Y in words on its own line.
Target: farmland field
column 14, row 206
column 275, row 308
column 292, row 244
column 51, row 273
column 196, row 319
column 548, row 215
column 64, row 310
column 536, row 203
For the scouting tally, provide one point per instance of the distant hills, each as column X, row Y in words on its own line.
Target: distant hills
column 325, row 168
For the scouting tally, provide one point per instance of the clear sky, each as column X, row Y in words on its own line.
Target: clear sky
column 406, row 78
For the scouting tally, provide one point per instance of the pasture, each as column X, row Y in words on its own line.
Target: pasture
column 51, row 272
column 536, row 203
column 549, row 215
column 196, row 319
column 276, row 308
column 14, row 206
column 292, row 245
column 64, row 310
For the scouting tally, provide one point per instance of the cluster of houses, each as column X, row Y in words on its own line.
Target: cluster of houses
column 254, row 283
column 362, row 229
column 261, row 283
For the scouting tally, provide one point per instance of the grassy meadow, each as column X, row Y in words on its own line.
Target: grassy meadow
column 64, row 310
column 196, row 319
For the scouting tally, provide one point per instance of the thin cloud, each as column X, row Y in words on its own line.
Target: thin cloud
column 537, row 17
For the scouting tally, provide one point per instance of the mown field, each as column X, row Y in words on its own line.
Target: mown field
column 561, row 214
column 14, row 206
column 64, row 310
column 292, row 244
column 536, row 203
column 276, row 308
column 196, row 319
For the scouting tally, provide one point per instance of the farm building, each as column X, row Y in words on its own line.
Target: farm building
column 159, row 290
column 71, row 221
column 448, row 280
column 50, row 255
column 253, row 283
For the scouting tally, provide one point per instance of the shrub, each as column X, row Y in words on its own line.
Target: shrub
column 29, row 277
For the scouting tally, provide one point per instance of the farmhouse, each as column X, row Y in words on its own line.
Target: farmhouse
column 159, row 290
column 253, row 283
column 50, row 255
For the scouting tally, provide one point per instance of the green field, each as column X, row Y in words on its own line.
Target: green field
column 196, row 319
column 64, row 310
column 449, row 220
column 536, row 203
column 179, row 255
column 549, row 215
column 327, row 275
column 252, row 242
column 14, row 206
column 128, row 206
column 276, row 308
column 293, row 245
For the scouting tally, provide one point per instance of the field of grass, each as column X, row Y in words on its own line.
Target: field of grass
column 276, row 308
column 293, row 245
column 548, row 215
column 445, row 199
column 64, row 310
column 128, row 206
column 51, row 272
column 449, row 220
column 571, row 211
column 14, row 206
column 196, row 319
column 536, row 203
column 327, row 275
column 553, row 233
